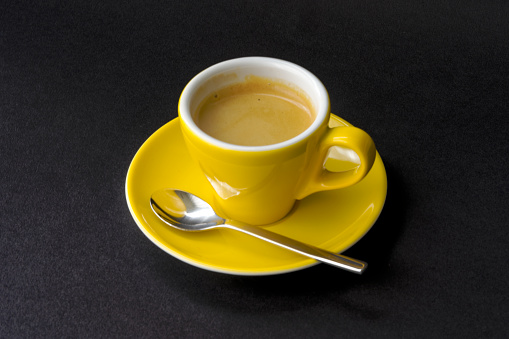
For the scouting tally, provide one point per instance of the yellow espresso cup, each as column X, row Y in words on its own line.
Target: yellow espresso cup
column 260, row 184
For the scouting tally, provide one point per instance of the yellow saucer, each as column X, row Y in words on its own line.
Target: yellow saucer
column 333, row 220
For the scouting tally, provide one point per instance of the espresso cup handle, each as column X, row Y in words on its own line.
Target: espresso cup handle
column 320, row 179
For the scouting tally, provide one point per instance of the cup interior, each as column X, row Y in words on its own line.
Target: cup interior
column 237, row 70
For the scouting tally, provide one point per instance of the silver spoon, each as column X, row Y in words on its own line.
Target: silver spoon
column 187, row 212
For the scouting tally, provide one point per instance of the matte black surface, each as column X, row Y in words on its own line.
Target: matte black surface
column 84, row 84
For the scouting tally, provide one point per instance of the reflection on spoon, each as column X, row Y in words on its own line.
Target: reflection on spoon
column 187, row 212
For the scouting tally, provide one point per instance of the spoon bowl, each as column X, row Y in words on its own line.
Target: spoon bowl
column 187, row 212
column 184, row 210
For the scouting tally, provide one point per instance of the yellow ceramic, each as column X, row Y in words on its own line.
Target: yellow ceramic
column 333, row 220
column 259, row 185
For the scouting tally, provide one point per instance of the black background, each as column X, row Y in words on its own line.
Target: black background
column 84, row 84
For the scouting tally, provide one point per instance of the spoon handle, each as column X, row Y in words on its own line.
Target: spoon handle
column 341, row 261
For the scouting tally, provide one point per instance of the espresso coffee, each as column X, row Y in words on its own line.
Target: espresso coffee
column 255, row 112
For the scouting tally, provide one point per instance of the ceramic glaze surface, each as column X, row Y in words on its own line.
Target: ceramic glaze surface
column 333, row 220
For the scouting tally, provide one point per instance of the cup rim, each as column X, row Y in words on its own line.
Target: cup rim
column 184, row 104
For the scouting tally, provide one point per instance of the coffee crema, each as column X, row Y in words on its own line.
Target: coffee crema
column 255, row 112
